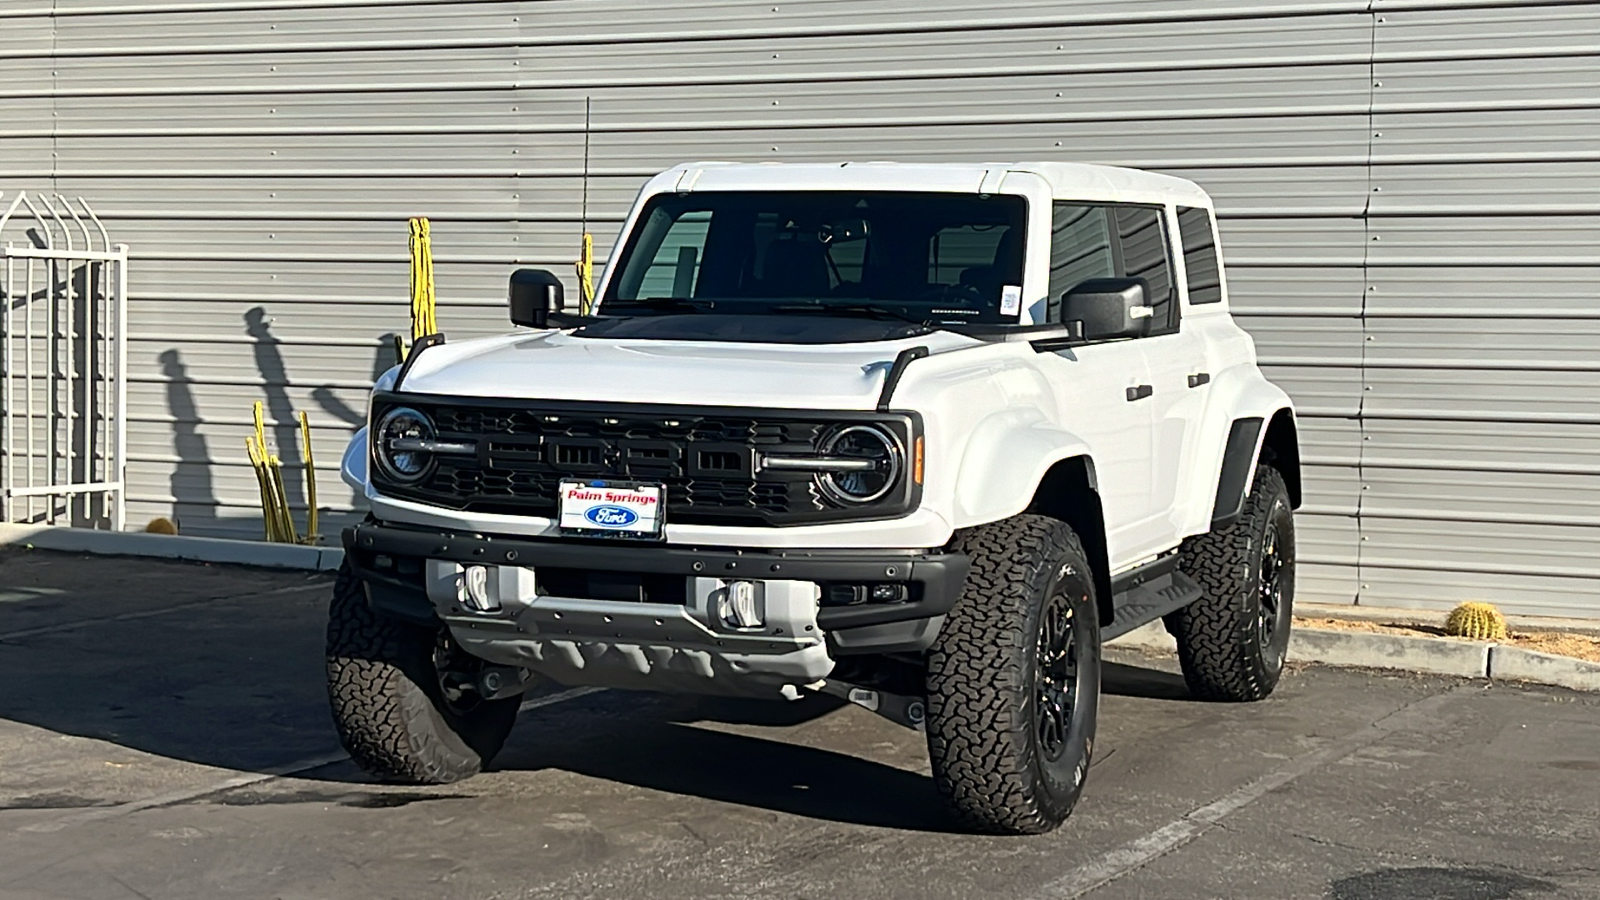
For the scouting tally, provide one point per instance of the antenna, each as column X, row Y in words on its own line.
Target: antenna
column 587, row 101
column 586, row 253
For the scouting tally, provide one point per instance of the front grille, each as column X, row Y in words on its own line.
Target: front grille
column 705, row 459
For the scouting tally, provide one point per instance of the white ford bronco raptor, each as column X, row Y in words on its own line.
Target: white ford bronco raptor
column 917, row 436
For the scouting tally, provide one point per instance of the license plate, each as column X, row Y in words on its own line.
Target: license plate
column 601, row 507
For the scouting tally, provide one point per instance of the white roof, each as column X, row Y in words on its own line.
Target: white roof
column 1068, row 181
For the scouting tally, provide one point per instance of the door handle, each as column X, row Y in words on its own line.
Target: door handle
column 1140, row 392
column 1199, row 378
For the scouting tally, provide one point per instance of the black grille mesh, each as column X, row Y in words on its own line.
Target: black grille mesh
column 705, row 461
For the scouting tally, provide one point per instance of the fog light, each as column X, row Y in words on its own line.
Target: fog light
column 474, row 589
column 857, row 594
column 736, row 605
column 889, row 593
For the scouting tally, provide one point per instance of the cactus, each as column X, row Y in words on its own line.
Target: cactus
column 1476, row 621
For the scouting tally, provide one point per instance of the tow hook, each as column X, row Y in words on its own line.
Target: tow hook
column 499, row 682
column 901, row 709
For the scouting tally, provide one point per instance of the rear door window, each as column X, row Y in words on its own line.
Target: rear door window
column 1142, row 234
column 1090, row 240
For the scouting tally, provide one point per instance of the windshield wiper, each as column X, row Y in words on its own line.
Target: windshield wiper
column 866, row 310
column 676, row 304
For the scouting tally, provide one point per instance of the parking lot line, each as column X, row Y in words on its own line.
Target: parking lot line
column 564, row 696
column 1124, row 859
column 237, row 781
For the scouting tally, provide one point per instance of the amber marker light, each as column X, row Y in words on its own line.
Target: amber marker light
column 916, row 461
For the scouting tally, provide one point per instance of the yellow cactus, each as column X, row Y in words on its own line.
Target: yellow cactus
column 1476, row 621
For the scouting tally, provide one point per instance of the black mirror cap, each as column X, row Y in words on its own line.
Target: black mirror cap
column 533, row 295
column 1109, row 308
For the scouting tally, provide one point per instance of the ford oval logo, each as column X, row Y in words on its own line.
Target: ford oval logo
column 611, row 516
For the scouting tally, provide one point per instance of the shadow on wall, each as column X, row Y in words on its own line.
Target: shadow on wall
column 194, row 494
column 280, row 414
column 192, row 481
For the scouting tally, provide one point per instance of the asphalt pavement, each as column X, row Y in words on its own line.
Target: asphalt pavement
column 164, row 734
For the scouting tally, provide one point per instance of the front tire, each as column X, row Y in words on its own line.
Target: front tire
column 1014, row 679
column 1232, row 642
column 396, row 716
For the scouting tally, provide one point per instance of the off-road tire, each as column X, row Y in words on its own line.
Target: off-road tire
column 387, row 703
column 984, row 737
column 1226, row 651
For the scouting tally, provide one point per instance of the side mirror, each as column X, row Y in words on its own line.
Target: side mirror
column 533, row 295
column 1109, row 308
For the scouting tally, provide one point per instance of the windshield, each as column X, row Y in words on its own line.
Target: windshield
column 940, row 258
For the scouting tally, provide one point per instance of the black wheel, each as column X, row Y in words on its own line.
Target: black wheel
column 401, row 695
column 1014, row 679
column 1233, row 640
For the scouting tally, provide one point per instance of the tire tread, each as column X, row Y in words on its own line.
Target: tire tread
column 381, row 699
column 978, row 686
column 1217, row 646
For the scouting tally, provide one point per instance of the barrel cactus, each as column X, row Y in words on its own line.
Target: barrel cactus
column 1477, row 621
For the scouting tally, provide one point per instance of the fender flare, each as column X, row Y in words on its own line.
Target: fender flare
column 1004, row 468
column 353, row 465
column 1238, row 468
column 1260, row 416
column 1003, row 463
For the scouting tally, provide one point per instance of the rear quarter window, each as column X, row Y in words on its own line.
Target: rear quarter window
column 1202, row 270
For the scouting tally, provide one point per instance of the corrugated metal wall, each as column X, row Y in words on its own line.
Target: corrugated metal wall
column 1407, row 192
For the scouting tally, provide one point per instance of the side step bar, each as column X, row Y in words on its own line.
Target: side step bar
column 1148, row 601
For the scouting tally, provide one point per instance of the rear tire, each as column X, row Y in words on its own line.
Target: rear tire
column 389, row 705
column 1014, row 679
column 1232, row 642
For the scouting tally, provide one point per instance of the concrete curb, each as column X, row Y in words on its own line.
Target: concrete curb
column 1390, row 651
column 170, row 546
column 1517, row 664
column 1443, row 656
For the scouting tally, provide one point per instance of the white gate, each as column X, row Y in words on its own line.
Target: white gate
column 64, row 427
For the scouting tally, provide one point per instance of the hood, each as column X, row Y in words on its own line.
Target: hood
column 559, row 365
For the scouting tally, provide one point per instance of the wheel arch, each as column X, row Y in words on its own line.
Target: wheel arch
column 1280, row 448
column 1069, row 492
column 1253, row 440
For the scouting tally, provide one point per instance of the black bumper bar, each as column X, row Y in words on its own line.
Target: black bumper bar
column 939, row 574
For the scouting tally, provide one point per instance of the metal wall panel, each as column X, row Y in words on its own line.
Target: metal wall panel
column 1406, row 193
column 1483, row 331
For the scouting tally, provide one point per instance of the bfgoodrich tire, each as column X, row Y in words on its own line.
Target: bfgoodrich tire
column 1233, row 640
column 389, row 705
column 1014, row 679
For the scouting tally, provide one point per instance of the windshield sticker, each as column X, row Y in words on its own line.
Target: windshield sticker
column 1011, row 300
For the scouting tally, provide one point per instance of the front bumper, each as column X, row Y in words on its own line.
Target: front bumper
column 565, row 636
column 923, row 527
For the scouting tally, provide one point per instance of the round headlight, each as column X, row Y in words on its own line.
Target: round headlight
column 869, row 444
column 396, row 441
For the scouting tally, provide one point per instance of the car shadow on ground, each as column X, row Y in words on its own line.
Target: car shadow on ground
column 234, row 680
column 687, row 749
column 1128, row 680
column 675, row 745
